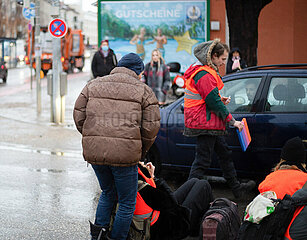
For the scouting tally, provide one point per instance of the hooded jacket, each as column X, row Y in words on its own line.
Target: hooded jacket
column 211, row 115
column 118, row 117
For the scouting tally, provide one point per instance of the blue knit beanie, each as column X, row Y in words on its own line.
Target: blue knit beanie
column 133, row 62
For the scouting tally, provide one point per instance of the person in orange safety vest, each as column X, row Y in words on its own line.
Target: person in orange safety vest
column 206, row 115
column 290, row 177
column 174, row 215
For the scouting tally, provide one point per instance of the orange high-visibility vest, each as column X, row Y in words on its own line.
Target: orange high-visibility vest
column 281, row 176
column 297, row 212
column 192, row 97
column 142, row 210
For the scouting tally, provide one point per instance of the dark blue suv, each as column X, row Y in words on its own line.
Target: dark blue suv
column 271, row 98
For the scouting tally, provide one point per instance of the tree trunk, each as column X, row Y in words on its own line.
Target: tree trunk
column 242, row 18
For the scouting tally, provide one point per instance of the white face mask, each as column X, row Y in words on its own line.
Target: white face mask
column 105, row 48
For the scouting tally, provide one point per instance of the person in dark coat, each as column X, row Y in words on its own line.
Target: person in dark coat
column 104, row 60
column 235, row 61
column 180, row 211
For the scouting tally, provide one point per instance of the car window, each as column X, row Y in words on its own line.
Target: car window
column 287, row 94
column 242, row 93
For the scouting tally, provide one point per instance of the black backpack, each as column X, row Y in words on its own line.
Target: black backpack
column 273, row 226
column 221, row 221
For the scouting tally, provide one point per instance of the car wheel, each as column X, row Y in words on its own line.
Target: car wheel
column 154, row 157
column 4, row 80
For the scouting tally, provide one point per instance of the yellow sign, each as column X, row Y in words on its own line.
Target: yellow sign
column 185, row 42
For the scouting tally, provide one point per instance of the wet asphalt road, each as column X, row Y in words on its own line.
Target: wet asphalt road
column 46, row 189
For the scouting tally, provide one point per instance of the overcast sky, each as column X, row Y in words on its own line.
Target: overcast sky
column 86, row 4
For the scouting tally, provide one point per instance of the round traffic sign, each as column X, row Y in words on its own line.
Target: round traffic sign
column 57, row 28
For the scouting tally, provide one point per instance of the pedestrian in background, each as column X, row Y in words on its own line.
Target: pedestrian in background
column 157, row 77
column 206, row 115
column 235, row 61
column 118, row 117
column 104, row 60
column 290, row 177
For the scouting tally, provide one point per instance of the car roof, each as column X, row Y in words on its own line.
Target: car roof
column 277, row 67
column 299, row 68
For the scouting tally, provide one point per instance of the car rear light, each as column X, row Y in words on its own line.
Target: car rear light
column 2, row 66
column 62, row 59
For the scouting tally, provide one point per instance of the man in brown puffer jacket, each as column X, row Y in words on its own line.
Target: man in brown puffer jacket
column 118, row 117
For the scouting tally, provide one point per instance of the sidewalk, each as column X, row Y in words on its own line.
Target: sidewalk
column 47, row 191
column 22, row 126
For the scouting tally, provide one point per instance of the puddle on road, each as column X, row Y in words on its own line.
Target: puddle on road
column 29, row 149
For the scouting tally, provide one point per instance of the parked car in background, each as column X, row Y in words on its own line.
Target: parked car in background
column 271, row 98
column 3, row 72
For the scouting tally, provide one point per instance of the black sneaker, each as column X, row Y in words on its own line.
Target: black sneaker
column 98, row 232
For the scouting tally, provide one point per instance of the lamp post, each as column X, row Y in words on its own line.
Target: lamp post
column 38, row 57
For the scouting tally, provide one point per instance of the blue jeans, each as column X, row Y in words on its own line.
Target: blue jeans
column 117, row 184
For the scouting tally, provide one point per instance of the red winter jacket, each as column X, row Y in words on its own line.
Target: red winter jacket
column 210, row 113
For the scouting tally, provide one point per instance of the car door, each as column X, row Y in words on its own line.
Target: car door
column 286, row 116
column 245, row 91
column 181, row 148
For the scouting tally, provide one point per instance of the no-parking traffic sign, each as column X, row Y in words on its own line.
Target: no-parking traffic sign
column 57, row 28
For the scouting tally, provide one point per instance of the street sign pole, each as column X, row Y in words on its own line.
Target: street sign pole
column 30, row 55
column 56, row 69
column 28, row 11
column 57, row 28
column 38, row 57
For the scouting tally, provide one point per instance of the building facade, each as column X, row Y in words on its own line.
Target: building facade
column 13, row 26
column 281, row 30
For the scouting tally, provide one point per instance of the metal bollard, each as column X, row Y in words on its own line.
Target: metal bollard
column 63, row 83
column 63, row 92
column 49, row 84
